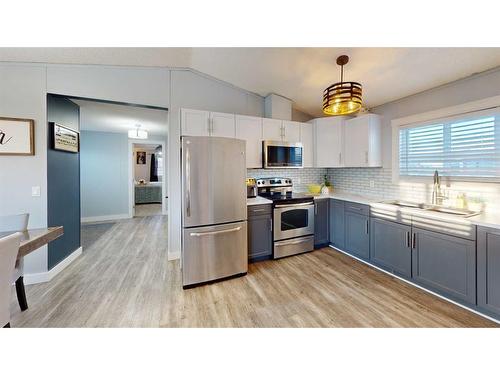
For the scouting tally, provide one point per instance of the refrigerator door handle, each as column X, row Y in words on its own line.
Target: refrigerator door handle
column 199, row 234
column 188, row 183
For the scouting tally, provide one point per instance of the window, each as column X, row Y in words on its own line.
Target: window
column 464, row 147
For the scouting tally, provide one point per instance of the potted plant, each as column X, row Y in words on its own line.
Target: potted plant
column 327, row 186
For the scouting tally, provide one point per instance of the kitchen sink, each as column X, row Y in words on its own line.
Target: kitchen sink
column 428, row 207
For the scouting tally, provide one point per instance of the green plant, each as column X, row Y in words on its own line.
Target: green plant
column 326, row 182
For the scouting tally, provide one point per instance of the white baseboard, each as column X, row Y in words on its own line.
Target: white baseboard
column 42, row 277
column 416, row 285
column 93, row 219
column 174, row 256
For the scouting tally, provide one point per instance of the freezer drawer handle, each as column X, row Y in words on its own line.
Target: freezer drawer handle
column 291, row 243
column 199, row 234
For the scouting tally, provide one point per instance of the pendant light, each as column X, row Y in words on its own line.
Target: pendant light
column 342, row 98
column 137, row 133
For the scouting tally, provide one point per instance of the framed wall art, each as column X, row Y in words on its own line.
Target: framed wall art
column 65, row 139
column 141, row 157
column 17, row 136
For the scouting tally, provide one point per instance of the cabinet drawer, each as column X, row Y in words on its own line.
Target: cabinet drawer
column 261, row 209
column 357, row 208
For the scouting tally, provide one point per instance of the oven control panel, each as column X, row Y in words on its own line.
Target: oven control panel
column 274, row 182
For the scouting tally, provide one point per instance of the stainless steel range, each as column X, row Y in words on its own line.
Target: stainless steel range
column 293, row 217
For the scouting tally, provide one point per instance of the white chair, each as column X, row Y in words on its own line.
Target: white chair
column 9, row 247
column 17, row 223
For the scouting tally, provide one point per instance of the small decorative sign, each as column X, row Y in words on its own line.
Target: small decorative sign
column 65, row 139
column 17, row 136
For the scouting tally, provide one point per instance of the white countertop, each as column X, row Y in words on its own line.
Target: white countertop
column 258, row 200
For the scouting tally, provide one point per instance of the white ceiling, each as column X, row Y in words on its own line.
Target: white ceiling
column 300, row 74
column 114, row 118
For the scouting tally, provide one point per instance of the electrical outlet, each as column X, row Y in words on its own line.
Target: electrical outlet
column 299, row 180
column 372, row 183
column 35, row 191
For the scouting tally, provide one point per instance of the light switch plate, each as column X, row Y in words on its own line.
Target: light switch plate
column 35, row 191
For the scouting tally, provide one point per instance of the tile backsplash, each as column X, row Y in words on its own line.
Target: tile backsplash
column 300, row 177
column 377, row 182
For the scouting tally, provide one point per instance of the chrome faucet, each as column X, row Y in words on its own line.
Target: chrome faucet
column 437, row 196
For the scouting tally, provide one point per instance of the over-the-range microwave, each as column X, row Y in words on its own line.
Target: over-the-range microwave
column 278, row 154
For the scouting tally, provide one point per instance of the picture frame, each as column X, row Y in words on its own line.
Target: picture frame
column 64, row 138
column 17, row 136
column 141, row 157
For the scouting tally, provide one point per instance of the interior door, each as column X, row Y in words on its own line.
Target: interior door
column 222, row 124
column 213, row 180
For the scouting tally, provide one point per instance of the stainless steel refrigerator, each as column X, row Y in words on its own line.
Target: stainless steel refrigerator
column 214, row 210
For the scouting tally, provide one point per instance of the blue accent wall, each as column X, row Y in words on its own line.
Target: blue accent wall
column 104, row 169
column 63, row 182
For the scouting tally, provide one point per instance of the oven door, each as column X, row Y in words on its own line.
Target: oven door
column 282, row 154
column 293, row 220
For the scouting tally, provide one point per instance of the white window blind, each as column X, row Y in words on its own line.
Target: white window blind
column 464, row 147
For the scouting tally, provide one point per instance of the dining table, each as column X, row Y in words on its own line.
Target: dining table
column 33, row 239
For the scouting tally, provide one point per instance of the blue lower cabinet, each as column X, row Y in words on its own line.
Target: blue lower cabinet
column 390, row 246
column 260, row 235
column 337, row 223
column 488, row 271
column 321, row 235
column 445, row 264
column 357, row 234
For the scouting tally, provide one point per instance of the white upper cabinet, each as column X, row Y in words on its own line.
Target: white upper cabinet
column 329, row 143
column 249, row 128
column 195, row 122
column 222, row 124
column 363, row 141
column 272, row 129
column 307, row 139
column 291, row 131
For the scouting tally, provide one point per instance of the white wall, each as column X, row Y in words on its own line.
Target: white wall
column 22, row 95
column 23, row 90
column 197, row 91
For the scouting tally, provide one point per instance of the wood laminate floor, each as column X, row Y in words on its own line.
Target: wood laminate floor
column 125, row 280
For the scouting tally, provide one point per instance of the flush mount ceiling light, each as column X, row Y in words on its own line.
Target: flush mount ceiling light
column 342, row 98
column 137, row 133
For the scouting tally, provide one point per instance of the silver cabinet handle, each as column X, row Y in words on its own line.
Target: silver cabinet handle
column 285, row 243
column 366, row 157
column 294, row 205
column 367, row 224
column 407, row 235
column 355, row 208
column 414, row 240
column 208, row 126
column 188, row 183
column 258, row 210
column 199, row 234
column 315, row 209
column 270, row 225
column 340, row 158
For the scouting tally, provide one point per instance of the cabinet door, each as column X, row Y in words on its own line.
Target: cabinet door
column 307, row 139
column 222, row 124
column 390, row 246
column 194, row 122
column 328, row 135
column 249, row 129
column 321, row 225
column 445, row 264
column 488, row 270
column 272, row 129
column 260, row 236
column 337, row 224
column 357, row 237
column 291, row 131
column 362, row 142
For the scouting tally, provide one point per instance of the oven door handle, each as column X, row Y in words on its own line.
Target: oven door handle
column 294, row 205
column 284, row 243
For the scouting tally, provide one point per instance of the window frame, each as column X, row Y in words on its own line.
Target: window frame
column 465, row 111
